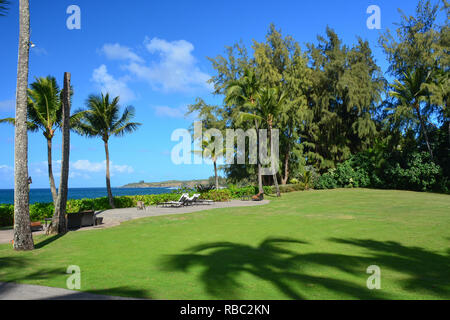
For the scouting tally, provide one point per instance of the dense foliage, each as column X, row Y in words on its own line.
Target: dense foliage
column 415, row 172
column 340, row 116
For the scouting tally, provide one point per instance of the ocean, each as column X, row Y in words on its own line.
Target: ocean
column 44, row 195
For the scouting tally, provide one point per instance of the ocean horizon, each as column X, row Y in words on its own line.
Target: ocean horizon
column 44, row 195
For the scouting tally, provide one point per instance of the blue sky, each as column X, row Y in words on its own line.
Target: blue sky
column 154, row 55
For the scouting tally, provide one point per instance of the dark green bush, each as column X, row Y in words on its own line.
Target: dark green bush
column 292, row 187
column 414, row 172
column 40, row 211
column 6, row 215
column 345, row 175
column 418, row 174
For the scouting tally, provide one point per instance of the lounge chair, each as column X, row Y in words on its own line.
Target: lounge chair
column 178, row 203
column 203, row 201
column 192, row 200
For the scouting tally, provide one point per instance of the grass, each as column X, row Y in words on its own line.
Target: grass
column 311, row 245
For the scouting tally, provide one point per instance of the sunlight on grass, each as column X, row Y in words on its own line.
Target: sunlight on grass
column 306, row 245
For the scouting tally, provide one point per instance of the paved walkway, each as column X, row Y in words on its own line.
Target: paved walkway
column 15, row 291
column 114, row 217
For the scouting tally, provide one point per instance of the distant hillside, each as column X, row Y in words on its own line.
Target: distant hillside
column 166, row 184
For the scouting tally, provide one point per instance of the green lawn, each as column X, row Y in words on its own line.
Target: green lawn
column 312, row 245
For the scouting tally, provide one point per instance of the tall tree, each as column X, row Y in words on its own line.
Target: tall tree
column 209, row 150
column 279, row 62
column 418, row 55
column 269, row 102
column 345, row 93
column 410, row 93
column 242, row 94
column 413, row 44
column 103, row 119
column 23, row 238
column 59, row 223
column 45, row 114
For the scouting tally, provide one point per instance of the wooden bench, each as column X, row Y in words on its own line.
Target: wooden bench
column 36, row 226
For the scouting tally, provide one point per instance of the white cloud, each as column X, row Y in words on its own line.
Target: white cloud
column 5, row 168
column 165, row 111
column 118, row 52
column 175, row 70
column 108, row 84
column 94, row 167
column 171, row 68
column 7, row 105
column 86, row 165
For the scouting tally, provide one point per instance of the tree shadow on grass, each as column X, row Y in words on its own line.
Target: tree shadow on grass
column 425, row 270
column 118, row 293
column 9, row 265
column 223, row 262
column 47, row 240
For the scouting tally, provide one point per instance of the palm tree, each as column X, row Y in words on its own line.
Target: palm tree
column 269, row 104
column 410, row 93
column 3, row 7
column 209, row 151
column 23, row 238
column 102, row 119
column 45, row 114
column 242, row 93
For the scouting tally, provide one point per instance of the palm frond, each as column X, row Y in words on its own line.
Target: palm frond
column 30, row 125
column 127, row 128
column 4, row 7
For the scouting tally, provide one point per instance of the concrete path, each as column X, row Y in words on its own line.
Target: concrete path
column 121, row 215
column 114, row 217
column 15, row 291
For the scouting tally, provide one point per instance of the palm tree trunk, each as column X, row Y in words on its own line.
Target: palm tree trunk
column 59, row 223
column 108, row 177
column 260, row 184
column 216, row 176
column 23, row 238
column 275, row 179
column 285, row 179
column 50, row 171
column 424, row 130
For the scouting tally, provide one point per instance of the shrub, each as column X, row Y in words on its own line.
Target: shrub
column 292, row 187
column 6, row 215
column 326, row 181
column 245, row 191
column 40, row 211
column 267, row 190
column 346, row 175
column 222, row 195
column 418, row 174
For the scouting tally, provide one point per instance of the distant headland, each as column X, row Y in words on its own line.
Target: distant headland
column 166, row 184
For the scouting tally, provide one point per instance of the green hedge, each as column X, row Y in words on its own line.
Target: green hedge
column 40, row 211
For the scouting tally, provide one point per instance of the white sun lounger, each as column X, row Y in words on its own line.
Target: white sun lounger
column 179, row 203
